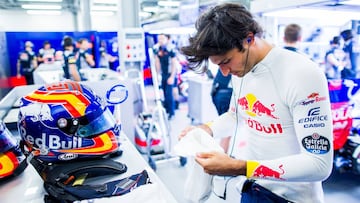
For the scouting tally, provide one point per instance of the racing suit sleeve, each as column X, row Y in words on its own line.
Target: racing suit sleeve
column 225, row 124
column 307, row 97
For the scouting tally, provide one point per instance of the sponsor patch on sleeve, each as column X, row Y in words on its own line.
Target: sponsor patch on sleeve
column 316, row 144
column 312, row 98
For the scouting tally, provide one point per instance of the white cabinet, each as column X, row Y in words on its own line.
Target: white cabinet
column 201, row 107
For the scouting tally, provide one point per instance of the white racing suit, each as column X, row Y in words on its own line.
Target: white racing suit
column 280, row 119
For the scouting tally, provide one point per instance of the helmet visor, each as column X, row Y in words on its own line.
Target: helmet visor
column 101, row 124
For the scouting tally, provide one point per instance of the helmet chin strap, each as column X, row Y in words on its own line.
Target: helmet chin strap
column 67, row 172
column 65, row 181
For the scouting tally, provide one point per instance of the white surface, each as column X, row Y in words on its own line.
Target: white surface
column 28, row 187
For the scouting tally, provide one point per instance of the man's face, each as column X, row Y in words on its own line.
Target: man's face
column 162, row 39
column 233, row 62
column 84, row 45
column 47, row 46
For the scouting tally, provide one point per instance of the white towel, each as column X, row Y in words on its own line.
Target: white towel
column 198, row 184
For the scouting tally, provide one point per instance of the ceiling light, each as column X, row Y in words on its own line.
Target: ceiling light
column 41, row 7
column 102, row 13
column 328, row 17
column 105, row 1
column 169, row 3
column 42, row 12
column 48, row 1
column 174, row 30
column 104, row 8
column 144, row 14
column 151, row 9
column 351, row 2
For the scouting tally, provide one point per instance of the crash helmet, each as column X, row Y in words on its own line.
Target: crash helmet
column 12, row 160
column 66, row 121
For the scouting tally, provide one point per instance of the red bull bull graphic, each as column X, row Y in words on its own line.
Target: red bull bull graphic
column 255, row 169
column 256, row 108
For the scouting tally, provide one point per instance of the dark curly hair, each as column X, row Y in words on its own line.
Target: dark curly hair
column 219, row 30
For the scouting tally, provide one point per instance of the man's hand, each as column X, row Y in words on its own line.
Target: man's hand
column 219, row 163
column 170, row 80
column 185, row 131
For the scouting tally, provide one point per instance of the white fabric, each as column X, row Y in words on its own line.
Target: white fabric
column 197, row 140
column 274, row 103
column 198, row 184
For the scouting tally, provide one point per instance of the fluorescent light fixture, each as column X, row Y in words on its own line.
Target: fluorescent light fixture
column 351, row 2
column 104, row 8
column 102, row 13
column 48, row 1
column 151, row 9
column 174, row 30
column 169, row 3
column 41, row 7
column 144, row 14
column 42, row 12
column 105, row 1
column 327, row 17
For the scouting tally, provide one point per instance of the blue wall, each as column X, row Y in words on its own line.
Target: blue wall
column 16, row 43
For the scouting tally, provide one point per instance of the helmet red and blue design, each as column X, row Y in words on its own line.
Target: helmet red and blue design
column 12, row 160
column 66, row 121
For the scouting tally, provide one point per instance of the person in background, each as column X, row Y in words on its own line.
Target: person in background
column 349, row 49
column 292, row 35
column 84, row 59
column 165, row 63
column 27, row 63
column 69, row 64
column 279, row 95
column 221, row 92
column 176, row 91
column 335, row 60
column 46, row 54
column 105, row 57
column 59, row 57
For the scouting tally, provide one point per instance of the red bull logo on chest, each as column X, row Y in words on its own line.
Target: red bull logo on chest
column 256, row 108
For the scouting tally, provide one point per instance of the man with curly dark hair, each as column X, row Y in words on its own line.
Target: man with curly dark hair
column 280, row 109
